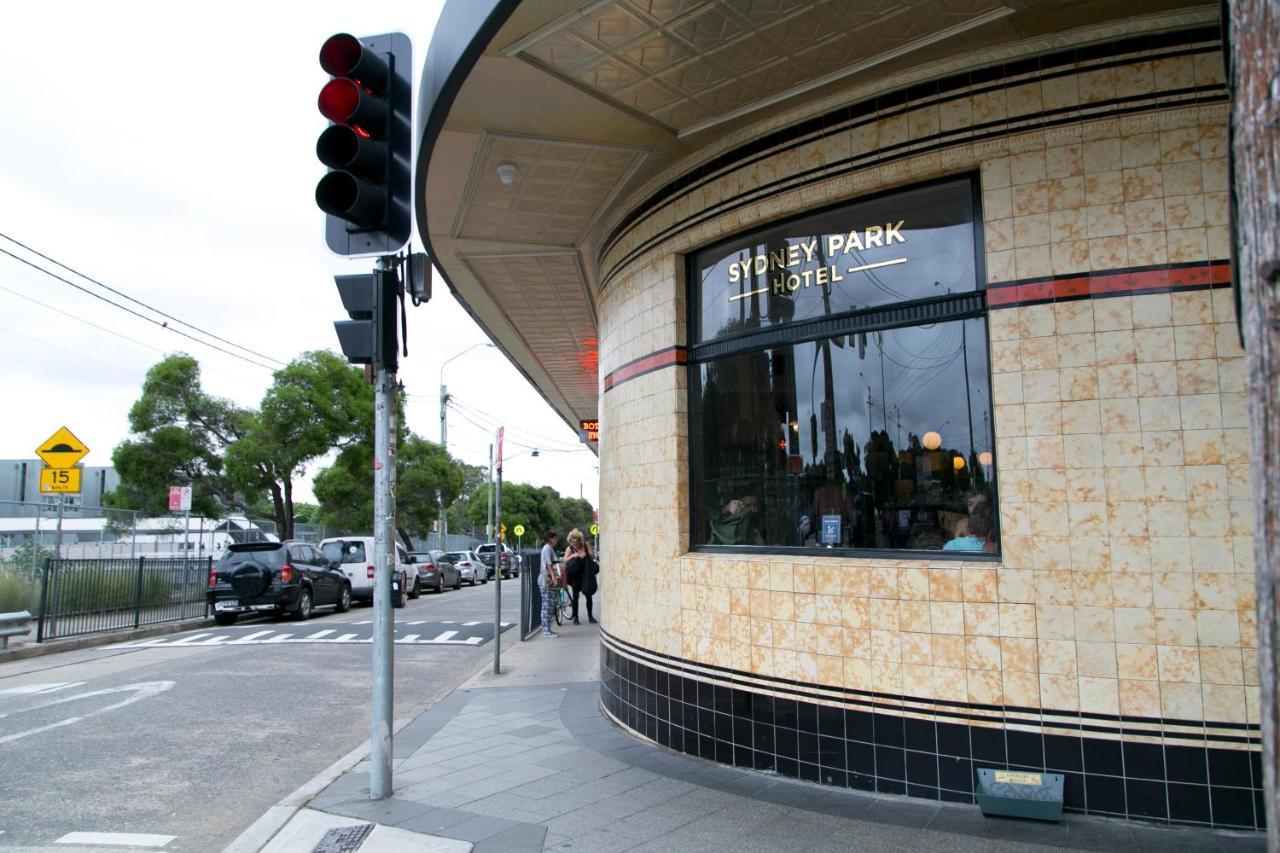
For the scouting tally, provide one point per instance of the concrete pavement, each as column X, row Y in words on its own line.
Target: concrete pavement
column 526, row 761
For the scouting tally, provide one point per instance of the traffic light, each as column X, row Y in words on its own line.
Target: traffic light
column 369, row 337
column 367, row 194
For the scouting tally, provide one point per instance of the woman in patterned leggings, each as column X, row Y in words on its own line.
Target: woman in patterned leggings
column 549, row 581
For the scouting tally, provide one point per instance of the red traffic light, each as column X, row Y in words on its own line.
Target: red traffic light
column 343, row 55
column 343, row 102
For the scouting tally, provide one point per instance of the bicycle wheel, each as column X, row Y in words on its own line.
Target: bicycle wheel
column 558, row 609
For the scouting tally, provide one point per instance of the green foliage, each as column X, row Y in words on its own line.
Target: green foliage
column 423, row 470
column 95, row 589
column 235, row 458
column 538, row 508
column 15, row 591
column 304, row 513
column 180, row 435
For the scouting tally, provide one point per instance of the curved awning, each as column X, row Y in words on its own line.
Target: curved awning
column 598, row 104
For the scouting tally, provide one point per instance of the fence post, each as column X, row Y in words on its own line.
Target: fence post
column 137, row 596
column 44, row 600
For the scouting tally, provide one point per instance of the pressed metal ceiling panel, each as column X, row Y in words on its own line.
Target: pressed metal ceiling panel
column 559, row 189
column 545, row 295
column 688, row 65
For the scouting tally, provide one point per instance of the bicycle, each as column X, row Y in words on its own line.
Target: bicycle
column 563, row 610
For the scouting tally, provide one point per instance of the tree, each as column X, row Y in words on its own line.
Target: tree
column 181, row 435
column 235, row 458
column 315, row 403
column 538, row 508
column 423, row 471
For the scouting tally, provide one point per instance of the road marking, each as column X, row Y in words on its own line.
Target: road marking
column 279, row 638
column 248, row 638
column 33, row 689
column 408, row 638
column 469, row 624
column 444, row 636
column 186, row 641
column 141, row 690
column 345, row 638
column 362, row 622
column 116, row 839
column 318, row 634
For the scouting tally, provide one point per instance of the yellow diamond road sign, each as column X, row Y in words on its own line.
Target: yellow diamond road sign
column 55, row 481
column 62, row 449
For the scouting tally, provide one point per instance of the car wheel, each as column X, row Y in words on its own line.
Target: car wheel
column 303, row 611
column 225, row 618
column 473, row 580
column 484, row 579
column 417, row 588
column 403, row 598
column 344, row 600
column 458, row 583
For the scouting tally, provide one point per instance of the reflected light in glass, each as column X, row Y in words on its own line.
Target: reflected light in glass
column 985, row 457
column 958, row 461
column 932, row 441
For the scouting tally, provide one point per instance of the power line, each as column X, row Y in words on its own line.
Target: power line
column 478, row 412
column 83, row 320
column 510, row 439
column 126, row 296
column 152, row 320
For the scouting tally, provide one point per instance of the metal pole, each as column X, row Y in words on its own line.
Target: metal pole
column 497, row 584
column 380, row 747
column 444, row 444
column 35, row 546
column 57, row 548
column 488, row 514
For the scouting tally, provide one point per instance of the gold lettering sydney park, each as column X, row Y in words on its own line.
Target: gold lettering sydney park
column 777, row 263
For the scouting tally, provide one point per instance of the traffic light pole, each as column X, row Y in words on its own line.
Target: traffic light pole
column 497, row 581
column 384, row 513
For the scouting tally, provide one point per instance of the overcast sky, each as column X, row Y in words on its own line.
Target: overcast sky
column 168, row 150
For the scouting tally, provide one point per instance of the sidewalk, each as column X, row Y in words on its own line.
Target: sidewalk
column 526, row 761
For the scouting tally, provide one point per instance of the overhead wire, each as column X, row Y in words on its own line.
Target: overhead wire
column 529, row 434
column 80, row 319
column 150, row 308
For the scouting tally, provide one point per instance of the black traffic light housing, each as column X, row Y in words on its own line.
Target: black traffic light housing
column 367, row 194
column 369, row 337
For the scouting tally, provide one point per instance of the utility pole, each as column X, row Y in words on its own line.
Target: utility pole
column 444, row 442
column 1255, row 138
column 489, row 529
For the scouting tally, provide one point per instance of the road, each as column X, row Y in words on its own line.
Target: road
column 194, row 735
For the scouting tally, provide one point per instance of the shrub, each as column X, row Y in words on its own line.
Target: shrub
column 15, row 591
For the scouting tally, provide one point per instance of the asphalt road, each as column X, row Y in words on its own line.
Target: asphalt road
column 195, row 735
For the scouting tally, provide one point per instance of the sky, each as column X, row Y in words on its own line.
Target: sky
column 168, row 150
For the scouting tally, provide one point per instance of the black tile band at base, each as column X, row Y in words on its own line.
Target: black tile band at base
column 893, row 754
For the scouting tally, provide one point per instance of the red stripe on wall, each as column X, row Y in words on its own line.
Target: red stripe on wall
column 647, row 364
column 1007, row 294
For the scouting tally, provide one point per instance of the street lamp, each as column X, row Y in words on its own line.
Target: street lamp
column 444, row 437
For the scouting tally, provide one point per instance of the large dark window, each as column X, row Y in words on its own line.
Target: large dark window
column 841, row 395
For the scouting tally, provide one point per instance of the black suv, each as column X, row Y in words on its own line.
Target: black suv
column 275, row 577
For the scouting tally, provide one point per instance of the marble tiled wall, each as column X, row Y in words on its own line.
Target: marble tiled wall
column 1125, row 584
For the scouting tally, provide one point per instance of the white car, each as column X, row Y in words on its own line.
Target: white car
column 354, row 555
column 470, row 566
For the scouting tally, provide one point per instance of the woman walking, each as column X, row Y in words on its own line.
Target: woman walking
column 549, row 581
column 580, row 569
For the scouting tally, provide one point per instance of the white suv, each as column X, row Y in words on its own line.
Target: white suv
column 355, row 557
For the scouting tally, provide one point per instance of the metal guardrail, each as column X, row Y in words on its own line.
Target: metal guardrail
column 16, row 624
column 79, row 597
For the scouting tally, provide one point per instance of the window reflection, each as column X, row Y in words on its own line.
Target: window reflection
column 879, row 440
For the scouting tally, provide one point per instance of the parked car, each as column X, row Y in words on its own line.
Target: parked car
column 436, row 570
column 275, row 577
column 510, row 562
column 354, row 555
column 469, row 566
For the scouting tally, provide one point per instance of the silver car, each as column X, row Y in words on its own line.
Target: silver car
column 470, row 566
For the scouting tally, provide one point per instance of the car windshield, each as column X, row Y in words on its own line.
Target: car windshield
column 455, row 556
column 484, row 549
column 344, row 552
column 265, row 553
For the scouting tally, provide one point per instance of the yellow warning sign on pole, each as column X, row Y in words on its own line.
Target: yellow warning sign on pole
column 60, row 481
column 62, row 449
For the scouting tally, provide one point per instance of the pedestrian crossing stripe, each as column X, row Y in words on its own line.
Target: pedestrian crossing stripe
column 444, row 638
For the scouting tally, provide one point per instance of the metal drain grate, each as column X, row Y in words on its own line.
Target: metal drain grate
column 344, row 839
